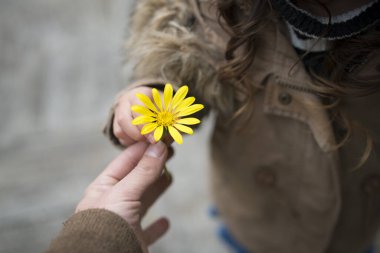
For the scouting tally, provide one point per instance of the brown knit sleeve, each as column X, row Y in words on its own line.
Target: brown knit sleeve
column 95, row 231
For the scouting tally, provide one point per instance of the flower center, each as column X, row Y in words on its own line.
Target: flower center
column 165, row 119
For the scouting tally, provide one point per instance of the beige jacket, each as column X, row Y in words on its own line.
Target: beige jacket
column 279, row 183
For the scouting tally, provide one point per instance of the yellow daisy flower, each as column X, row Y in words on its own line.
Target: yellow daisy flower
column 167, row 114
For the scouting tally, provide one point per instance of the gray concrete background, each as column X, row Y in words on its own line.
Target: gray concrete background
column 59, row 72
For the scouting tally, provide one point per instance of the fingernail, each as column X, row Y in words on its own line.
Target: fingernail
column 156, row 150
column 151, row 139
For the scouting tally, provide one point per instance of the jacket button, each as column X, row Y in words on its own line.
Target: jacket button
column 265, row 177
column 371, row 185
column 285, row 98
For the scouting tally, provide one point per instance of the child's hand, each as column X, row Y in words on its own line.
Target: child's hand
column 123, row 129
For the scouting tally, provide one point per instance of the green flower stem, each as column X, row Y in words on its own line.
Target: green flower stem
column 166, row 172
column 168, row 140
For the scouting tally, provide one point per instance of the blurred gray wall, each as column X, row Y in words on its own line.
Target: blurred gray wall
column 59, row 63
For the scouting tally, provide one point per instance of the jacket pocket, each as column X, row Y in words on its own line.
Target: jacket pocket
column 287, row 98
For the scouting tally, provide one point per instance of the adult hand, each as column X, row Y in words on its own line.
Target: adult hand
column 129, row 186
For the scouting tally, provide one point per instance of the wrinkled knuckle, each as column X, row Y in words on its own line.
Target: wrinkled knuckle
column 118, row 133
column 153, row 167
column 146, row 168
column 120, row 120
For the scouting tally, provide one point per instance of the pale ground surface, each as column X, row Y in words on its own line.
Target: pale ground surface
column 59, row 72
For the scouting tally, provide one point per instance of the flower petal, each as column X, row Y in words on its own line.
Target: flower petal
column 142, row 110
column 148, row 128
column 142, row 120
column 157, row 98
column 158, row 133
column 175, row 134
column 183, row 128
column 179, row 96
column 188, row 121
column 168, row 95
column 190, row 110
column 147, row 102
column 184, row 104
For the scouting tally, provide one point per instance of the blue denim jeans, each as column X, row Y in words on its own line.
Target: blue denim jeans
column 234, row 246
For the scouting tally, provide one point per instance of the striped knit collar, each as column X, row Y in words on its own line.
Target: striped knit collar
column 308, row 26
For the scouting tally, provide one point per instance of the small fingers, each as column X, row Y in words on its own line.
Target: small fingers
column 124, row 130
column 120, row 135
column 156, row 230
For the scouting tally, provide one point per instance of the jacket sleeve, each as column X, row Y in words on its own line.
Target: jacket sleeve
column 167, row 43
column 95, row 231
